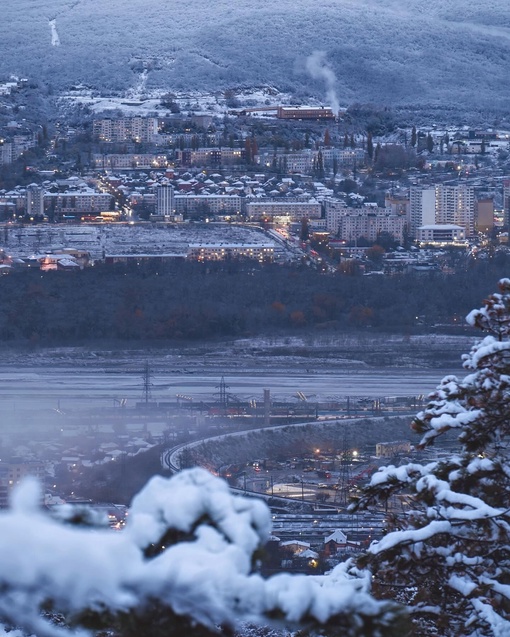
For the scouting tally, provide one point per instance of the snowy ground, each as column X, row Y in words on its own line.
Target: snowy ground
column 322, row 368
column 110, row 239
column 147, row 104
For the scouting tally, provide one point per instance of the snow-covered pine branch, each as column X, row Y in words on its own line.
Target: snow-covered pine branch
column 451, row 552
column 183, row 565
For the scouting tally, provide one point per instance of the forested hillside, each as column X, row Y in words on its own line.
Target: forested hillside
column 201, row 301
column 384, row 51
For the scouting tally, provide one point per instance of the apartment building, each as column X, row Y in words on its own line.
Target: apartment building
column 35, row 201
column 15, row 145
column 506, row 203
column 391, row 449
column 129, row 161
column 13, row 472
column 125, row 129
column 23, row 142
column 298, row 162
column 210, row 156
column 220, row 251
column 6, row 153
column 335, row 209
column 369, row 223
column 13, row 203
column 76, row 203
column 422, row 208
column 165, row 200
column 305, row 112
column 187, row 140
column 399, row 203
column 303, row 161
column 190, row 206
column 455, row 205
column 484, row 217
column 294, row 210
column 346, row 157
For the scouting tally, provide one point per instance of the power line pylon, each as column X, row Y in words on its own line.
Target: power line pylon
column 223, row 395
column 147, row 384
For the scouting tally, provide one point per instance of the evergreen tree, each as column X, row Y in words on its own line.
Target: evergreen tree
column 370, row 145
column 449, row 556
column 254, row 146
column 248, row 150
column 304, row 233
column 430, row 143
column 414, row 137
column 320, row 165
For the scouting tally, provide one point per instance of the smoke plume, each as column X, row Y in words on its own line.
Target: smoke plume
column 318, row 68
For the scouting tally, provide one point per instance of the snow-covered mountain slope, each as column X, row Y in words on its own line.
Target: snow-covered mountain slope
column 454, row 52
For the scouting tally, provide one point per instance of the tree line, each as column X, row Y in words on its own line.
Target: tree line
column 190, row 300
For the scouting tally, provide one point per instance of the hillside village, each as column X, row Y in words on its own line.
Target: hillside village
column 332, row 189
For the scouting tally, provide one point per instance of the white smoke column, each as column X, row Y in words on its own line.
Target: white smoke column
column 318, row 67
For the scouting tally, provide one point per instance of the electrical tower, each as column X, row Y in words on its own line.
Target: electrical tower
column 147, row 384
column 223, row 393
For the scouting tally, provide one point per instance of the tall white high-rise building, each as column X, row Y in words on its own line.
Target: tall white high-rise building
column 422, row 208
column 165, row 201
column 506, row 203
column 35, row 200
column 456, row 205
column 125, row 129
column 335, row 210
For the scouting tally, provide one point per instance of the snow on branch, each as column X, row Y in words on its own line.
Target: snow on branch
column 468, row 507
column 410, row 536
column 404, row 474
column 499, row 626
column 188, row 545
column 484, row 350
column 494, row 317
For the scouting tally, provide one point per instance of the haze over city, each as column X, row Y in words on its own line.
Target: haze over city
column 254, row 318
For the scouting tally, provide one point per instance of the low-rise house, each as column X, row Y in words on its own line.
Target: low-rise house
column 295, row 547
column 441, row 234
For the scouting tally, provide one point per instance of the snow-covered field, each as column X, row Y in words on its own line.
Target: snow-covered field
column 147, row 102
column 115, row 239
